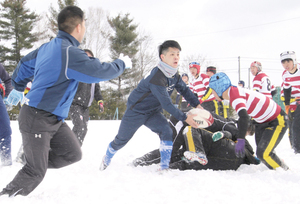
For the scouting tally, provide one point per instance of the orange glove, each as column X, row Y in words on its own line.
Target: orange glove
column 287, row 109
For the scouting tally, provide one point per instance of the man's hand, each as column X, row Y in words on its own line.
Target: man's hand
column 126, row 60
column 15, row 97
column 191, row 121
column 199, row 106
column 101, row 108
column 240, row 148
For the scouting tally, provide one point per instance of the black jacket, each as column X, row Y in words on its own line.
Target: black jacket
column 83, row 94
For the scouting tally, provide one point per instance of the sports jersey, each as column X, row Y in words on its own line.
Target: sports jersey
column 293, row 81
column 258, row 106
column 262, row 83
column 200, row 86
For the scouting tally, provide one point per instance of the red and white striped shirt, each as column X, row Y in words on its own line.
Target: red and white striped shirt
column 200, row 85
column 262, row 84
column 292, row 80
column 258, row 106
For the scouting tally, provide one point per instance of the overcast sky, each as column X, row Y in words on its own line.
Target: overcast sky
column 219, row 30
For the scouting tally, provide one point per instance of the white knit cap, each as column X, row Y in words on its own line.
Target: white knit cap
column 288, row 55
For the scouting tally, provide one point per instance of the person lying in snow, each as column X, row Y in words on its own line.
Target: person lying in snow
column 191, row 145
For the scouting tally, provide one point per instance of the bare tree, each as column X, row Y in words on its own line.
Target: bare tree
column 42, row 27
column 146, row 58
column 52, row 17
column 97, row 33
column 184, row 64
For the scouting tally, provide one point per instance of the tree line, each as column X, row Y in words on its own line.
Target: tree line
column 22, row 30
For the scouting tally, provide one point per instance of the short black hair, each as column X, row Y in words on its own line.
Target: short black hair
column 211, row 69
column 242, row 82
column 286, row 60
column 69, row 18
column 89, row 51
column 165, row 46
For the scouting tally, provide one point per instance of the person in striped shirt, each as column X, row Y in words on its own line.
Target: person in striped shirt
column 200, row 87
column 270, row 121
column 291, row 92
column 261, row 81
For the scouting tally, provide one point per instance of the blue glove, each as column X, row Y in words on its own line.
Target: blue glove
column 240, row 148
column 15, row 97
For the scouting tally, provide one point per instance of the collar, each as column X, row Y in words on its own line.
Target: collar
column 62, row 34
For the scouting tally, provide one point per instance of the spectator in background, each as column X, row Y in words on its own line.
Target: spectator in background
column 79, row 110
column 184, row 104
column 241, row 84
column 211, row 70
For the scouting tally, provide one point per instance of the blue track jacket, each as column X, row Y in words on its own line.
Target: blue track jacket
column 57, row 67
column 154, row 91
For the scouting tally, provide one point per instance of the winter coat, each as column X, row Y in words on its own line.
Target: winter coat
column 83, row 94
column 57, row 67
column 154, row 91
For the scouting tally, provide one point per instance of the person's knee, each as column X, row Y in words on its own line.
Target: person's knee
column 77, row 156
column 167, row 134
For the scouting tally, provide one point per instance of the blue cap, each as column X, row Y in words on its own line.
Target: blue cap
column 242, row 82
column 184, row 74
column 219, row 82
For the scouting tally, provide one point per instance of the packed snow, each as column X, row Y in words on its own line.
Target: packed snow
column 82, row 182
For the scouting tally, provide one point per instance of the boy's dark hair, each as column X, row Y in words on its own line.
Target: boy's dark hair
column 69, row 18
column 165, row 46
column 242, row 82
column 89, row 51
column 211, row 69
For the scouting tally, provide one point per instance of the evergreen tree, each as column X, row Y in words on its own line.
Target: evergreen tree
column 16, row 25
column 110, row 102
column 123, row 41
column 54, row 13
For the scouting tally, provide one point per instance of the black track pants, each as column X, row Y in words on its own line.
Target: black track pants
column 48, row 143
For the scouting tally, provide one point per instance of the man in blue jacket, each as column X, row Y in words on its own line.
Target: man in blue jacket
column 56, row 67
column 5, row 129
column 146, row 102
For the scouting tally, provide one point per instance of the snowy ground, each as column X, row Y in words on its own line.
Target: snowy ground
column 120, row 183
